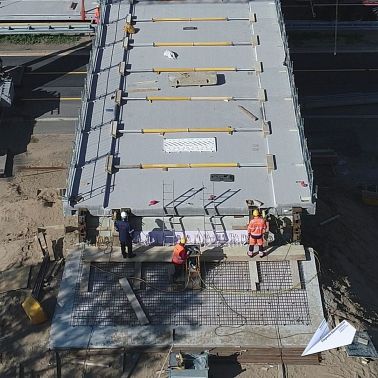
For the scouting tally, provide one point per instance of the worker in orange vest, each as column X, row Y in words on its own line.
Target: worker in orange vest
column 96, row 17
column 256, row 230
column 179, row 257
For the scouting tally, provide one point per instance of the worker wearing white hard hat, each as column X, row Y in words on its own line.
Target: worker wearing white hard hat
column 179, row 257
column 125, row 235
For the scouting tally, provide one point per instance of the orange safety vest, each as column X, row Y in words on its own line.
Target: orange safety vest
column 257, row 227
column 179, row 255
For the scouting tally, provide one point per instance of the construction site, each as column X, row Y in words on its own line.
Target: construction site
column 188, row 131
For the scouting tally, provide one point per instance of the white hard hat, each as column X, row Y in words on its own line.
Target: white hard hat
column 123, row 215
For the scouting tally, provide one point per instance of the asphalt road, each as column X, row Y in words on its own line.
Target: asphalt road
column 50, row 89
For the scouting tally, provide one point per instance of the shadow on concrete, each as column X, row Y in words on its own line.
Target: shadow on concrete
column 227, row 366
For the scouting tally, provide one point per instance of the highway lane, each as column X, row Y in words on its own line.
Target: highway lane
column 50, row 92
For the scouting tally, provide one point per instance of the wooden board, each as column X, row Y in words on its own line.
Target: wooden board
column 143, row 320
column 253, row 274
column 137, row 274
column 14, row 279
column 164, row 254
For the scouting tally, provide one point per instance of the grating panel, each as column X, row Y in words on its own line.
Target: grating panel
column 190, row 145
column 227, row 298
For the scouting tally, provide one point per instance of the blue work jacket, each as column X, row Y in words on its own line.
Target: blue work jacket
column 125, row 232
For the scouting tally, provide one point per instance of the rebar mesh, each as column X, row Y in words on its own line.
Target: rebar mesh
column 226, row 297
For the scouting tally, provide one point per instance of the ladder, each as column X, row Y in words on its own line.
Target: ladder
column 219, row 229
column 171, row 207
column 170, row 204
column 169, row 235
column 213, row 218
column 218, row 200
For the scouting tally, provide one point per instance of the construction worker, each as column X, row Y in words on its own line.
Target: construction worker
column 96, row 16
column 256, row 230
column 125, row 235
column 179, row 257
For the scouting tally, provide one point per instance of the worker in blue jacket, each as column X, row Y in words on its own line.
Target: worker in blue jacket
column 125, row 235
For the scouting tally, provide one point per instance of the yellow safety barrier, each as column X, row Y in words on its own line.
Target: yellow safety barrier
column 190, row 130
column 34, row 310
column 186, row 19
column 190, row 165
column 191, row 44
column 194, row 69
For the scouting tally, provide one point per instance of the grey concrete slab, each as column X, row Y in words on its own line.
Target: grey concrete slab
column 289, row 184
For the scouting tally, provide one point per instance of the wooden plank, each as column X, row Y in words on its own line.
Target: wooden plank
column 239, row 253
column 164, row 254
column 137, row 274
column 124, row 282
column 84, row 280
column 14, row 279
column 3, row 161
column 295, row 277
column 253, row 274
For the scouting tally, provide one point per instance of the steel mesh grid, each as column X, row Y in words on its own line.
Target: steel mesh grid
column 274, row 275
column 107, row 304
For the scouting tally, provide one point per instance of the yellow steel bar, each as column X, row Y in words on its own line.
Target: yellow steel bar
column 192, row 44
column 190, row 165
column 190, row 130
column 194, row 69
column 185, row 19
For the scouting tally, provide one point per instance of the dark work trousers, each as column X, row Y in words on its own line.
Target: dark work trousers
column 178, row 271
column 129, row 245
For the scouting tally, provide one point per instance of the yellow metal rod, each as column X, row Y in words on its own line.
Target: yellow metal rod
column 190, row 130
column 186, row 19
column 190, row 165
column 194, row 69
column 191, row 44
column 178, row 98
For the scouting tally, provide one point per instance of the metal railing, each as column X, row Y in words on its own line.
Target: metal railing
column 46, row 28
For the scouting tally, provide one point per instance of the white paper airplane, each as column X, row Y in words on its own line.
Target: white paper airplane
column 324, row 339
